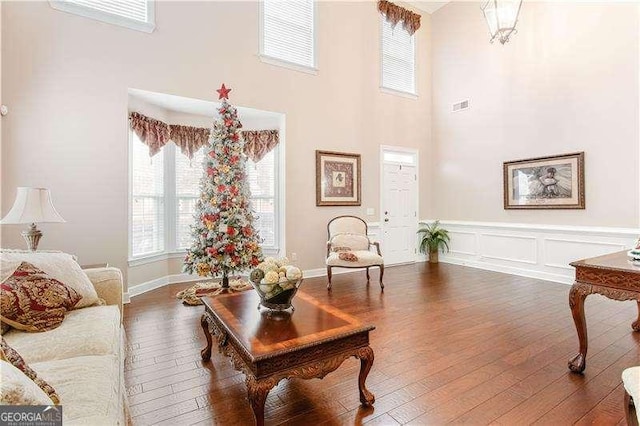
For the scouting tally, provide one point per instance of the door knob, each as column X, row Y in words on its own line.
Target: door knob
column 386, row 220
column 386, row 212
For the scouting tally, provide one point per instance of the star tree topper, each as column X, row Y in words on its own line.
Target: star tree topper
column 223, row 92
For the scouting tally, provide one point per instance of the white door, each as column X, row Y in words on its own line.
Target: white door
column 399, row 212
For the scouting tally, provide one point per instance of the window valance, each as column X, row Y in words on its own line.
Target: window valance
column 258, row 143
column 394, row 14
column 188, row 138
column 155, row 134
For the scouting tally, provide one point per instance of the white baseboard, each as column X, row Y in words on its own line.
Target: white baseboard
column 161, row 282
column 510, row 270
column 148, row 286
column 126, row 298
column 536, row 251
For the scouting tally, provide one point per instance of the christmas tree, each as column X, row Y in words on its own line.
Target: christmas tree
column 224, row 238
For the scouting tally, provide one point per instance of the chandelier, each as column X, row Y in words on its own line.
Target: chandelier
column 502, row 17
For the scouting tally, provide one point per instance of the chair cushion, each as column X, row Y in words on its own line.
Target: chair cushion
column 33, row 301
column 353, row 241
column 365, row 258
column 18, row 389
column 87, row 331
column 347, row 225
column 89, row 388
column 631, row 381
column 61, row 266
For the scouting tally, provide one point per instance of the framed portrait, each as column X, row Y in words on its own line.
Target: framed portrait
column 555, row 182
column 337, row 179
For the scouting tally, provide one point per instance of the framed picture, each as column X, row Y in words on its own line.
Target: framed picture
column 337, row 179
column 555, row 182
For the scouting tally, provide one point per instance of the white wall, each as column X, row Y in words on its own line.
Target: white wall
column 566, row 82
column 135, row 104
column 1, row 118
column 66, row 79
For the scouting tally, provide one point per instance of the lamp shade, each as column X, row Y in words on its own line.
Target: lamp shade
column 32, row 205
column 502, row 18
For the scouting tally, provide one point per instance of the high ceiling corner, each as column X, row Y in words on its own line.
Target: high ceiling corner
column 428, row 6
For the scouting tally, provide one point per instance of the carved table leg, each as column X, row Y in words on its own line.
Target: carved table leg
column 636, row 323
column 366, row 361
column 577, row 295
column 257, row 391
column 206, row 352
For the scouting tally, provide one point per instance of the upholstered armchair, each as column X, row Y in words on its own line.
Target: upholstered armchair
column 348, row 246
column 631, row 381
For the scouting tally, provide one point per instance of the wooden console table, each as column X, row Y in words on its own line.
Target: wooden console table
column 613, row 276
column 311, row 343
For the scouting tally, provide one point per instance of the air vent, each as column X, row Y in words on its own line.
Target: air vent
column 460, row 106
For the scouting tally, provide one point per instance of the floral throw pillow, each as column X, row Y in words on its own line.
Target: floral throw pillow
column 17, row 389
column 7, row 353
column 348, row 256
column 61, row 266
column 31, row 300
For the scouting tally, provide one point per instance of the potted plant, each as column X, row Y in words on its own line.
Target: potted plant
column 434, row 239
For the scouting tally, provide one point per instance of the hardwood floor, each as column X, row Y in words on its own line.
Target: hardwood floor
column 452, row 345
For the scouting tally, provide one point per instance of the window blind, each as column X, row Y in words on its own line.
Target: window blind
column 132, row 9
column 188, row 175
column 262, row 181
column 398, row 58
column 134, row 14
column 288, row 31
column 147, row 210
column 261, row 177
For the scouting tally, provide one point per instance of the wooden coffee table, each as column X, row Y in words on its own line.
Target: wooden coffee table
column 612, row 276
column 311, row 343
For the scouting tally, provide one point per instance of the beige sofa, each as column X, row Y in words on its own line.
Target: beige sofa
column 83, row 359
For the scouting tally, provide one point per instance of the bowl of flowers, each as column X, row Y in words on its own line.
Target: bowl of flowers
column 276, row 282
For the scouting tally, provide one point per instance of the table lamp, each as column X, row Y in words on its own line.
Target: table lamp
column 32, row 205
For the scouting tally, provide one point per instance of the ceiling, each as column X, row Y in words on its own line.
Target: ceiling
column 428, row 6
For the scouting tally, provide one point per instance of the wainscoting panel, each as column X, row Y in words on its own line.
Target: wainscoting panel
column 374, row 231
column 512, row 248
column 559, row 252
column 537, row 251
column 464, row 243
